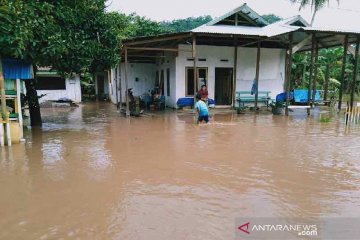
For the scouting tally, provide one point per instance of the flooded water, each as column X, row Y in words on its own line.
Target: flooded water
column 90, row 174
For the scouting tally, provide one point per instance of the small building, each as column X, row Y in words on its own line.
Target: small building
column 14, row 72
column 52, row 86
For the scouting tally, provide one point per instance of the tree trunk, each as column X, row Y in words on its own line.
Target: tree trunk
column 33, row 101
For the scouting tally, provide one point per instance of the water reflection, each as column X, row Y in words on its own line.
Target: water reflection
column 90, row 173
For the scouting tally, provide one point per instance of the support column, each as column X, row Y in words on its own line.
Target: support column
column 311, row 67
column 116, row 76
column 3, row 95
column 315, row 74
column 19, row 110
column 194, row 58
column 235, row 72
column 120, row 85
column 355, row 73
column 288, row 75
column 257, row 73
column 127, row 82
column 327, row 78
column 346, row 41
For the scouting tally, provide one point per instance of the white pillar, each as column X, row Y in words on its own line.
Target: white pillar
column 2, row 136
column 8, row 133
column 18, row 91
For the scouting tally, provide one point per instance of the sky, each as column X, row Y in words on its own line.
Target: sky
column 345, row 15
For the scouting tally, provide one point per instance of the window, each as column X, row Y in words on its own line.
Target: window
column 202, row 77
column 191, row 85
column 50, row 83
column 168, row 82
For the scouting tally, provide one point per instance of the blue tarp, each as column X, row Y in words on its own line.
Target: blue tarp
column 189, row 102
column 301, row 96
column 298, row 96
column 16, row 69
column 282, row 97
column 184, row 102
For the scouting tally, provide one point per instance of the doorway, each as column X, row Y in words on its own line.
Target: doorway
column 223, row 86
column 101, row 87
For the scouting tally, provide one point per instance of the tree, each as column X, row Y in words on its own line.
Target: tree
column 70, row 36
column 183, row 25
column 315, row 4
column 271, row 18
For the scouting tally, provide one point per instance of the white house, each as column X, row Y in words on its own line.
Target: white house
column 228, row 53
column 53, row 87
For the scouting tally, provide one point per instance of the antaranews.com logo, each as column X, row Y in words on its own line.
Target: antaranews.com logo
column 301, row 230
column 281, row 228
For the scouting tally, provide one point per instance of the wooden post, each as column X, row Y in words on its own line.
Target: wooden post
column 355, row 73
column 257, row 73
column 288, row 75
column 3, row 95
column 311, row 67
column 327, row 78
column 315, row 74
column 194, row 58
column 346, row 41
column 120, row 85
column 127, row 82
column 235, row 72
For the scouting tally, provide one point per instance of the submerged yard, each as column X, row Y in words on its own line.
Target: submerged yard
column 92, row 174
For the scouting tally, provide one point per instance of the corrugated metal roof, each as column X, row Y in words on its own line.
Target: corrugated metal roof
column 271, row 30
column 227, row 29
column 245, row 10
column 280, row 28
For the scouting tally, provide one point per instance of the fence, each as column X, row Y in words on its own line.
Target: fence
column 352, row 115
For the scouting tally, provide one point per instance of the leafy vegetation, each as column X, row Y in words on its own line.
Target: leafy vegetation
column 183, row 25
column 71, row 36
column 327, row 57
column 271, row 18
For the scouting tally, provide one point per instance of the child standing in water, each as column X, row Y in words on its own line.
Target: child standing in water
column 202, row 109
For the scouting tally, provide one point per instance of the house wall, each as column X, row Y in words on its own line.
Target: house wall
column 272, row 66
column 114, row 79
column 72, row 91
column 272, row 70
column 146, row 74
column 168, row 62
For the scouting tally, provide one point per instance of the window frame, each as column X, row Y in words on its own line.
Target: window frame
column 196, row 81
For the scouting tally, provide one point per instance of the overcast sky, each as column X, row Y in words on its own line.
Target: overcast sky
column 345, row 15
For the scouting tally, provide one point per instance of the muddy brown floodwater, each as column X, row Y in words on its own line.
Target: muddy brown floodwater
column 90, row 174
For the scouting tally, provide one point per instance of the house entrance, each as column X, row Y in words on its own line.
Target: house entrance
column 223, row 86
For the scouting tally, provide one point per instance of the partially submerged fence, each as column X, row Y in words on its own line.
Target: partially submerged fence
column 352, row 115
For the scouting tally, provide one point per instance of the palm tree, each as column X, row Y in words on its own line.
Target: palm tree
column 316, row 5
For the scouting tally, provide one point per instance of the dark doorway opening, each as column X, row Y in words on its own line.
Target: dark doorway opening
column 223, row 86
column 100, row 85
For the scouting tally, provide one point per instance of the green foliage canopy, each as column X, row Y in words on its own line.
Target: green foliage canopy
column 71, row 36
